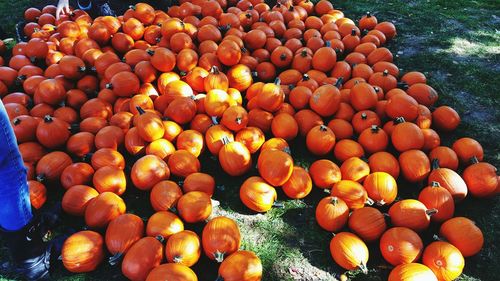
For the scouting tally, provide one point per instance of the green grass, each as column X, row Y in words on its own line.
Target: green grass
column 456, row 44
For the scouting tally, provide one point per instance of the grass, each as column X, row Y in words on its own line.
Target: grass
column 456, row 44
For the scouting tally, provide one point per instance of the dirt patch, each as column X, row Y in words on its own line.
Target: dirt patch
column 302, row 269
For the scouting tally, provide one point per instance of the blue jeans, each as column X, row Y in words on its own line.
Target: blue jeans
column 15, row 206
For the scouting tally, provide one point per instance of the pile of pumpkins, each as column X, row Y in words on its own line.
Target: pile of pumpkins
column 99, row 105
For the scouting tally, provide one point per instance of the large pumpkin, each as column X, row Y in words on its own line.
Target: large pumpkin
column 351, row 192
column 412, row 272
column 481, row 179
column 415, row 165
column 324, row 173
column 448, row 179
column 172, row 271
column 299, row 185
column 241, row 266
column 122, row 233
column 76, row 199
column 349, row 251
column 103, row 209
column 142, row 257
column 194, row 206
column 275, row 166
column 444, row 259
column 463, row 234
column 257, row 194
column 183, row 248
column 368, row 223
column 235, row 158
column 436, row 197
column 381, row 187
column 411, row 213
column 332, row 213
column 82, row 251
column 164, row 223
column 220, row 238
column 164, row 195
column 401, row 245
column 148, row 171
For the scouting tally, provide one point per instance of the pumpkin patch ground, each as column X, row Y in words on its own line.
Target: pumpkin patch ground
column 346, row 144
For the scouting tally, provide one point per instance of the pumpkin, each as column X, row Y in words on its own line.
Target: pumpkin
column 214, row 136
column 107, row 157
column 444, row 259
column 354, row 169
column 220, row 238
column 161, row 148
column 346, row 148
column 148, row 171
column 75, row 174
column 407, row 136
column 450, row 180
column 415, row 165
column 51, row 166
column 381, row 187
column 38, row 194
column 373, row 139
column 411, row 213
column 183, row 248
column 436, row 197
column 271, row 96
column 257, row 195
column 76, row 199
column 412, row 272
column 281, row 163
column 235, row 158
column 81, row 144
column 228, row 52
column 463, row 233
column 121, row 234
column 134, row 143
column 446, row 156
column 199, row 182
column 172, row 271
column 351, row 192
column 82, row 251
column 299, row 185
column 368, row 223
column 481, row 179
column 149, row 126
column 194, row 206
column 332, row 213
column 111, row 179
column 445, row 118
column 324, row 173
column 241, row 266
column 52, row 132
column 124, row 84
column 50, row 91
column 340, row 127
column 164, row 223
column 349, row 251
column 164, row 195
column 320, row 140
column 466, row 148
column 324, row 58
column 182, row 163
column 401, row 245
column 142, row 257
column 325, row 100
column 103, row 209
column 235, row 118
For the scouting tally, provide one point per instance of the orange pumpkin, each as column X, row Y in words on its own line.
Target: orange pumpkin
column 444, row 259
column 103, row 209
column 401, row 245
column 349, row 251
column 164, row 223
column 220, row 238
column 281, row 163
column 142, row 257
column 183, row 248
column 241, row 266
column 463, row 233
column 411, row 213
column 122, row 233
column 194, row 206
column 257, row 195
column 172, row 271
column 368, row 223
column 82, row 251
column 381, row 187
column 332, row 213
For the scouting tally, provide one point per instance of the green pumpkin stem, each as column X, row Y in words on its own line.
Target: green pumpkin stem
column 16, row 121
column 323, row 128
column 385, row 73
column 40, row 178
column 368, row 14
column 306, row 77
column 141, row 111
column 363, row 268
column 160, row 238
column 334, row 201
column 47, row 119
column 339, row 82
column 116, row 258
column 277, row 81
column 399, row 120
column 214, row 70
column 369, row 201
column 353, row 32
column 177, row 259
column 283, row 56
column 435, row 164
column 218, row 256
column 431, row 212
column 375, row 129
column 474, row 160
column 435, row 184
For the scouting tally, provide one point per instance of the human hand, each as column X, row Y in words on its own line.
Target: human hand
column 62, row 8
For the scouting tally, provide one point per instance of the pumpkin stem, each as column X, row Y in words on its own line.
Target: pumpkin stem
column 87, row 157
column 399, row 120
column 238, row 120
column 277, row 81
column 214, row 120
column 323, row 128
column 16, row 121
column 109, row 86
column 40, row 178
column 435, row 164
column 334, row 201
column 305, row 77
column 377, row 89
column 403, row 86
column 225, row 140
column 254, row 74
column 291, row 9
column 160, row 238
column 283, row 56
column 431, row 212
column 47, row 119
column 279, row 205
column 375, row 129
column 218, row 256
column 141, row 111
column 287, row 150
column 303, row 53
column 363, row 268
column 435, row 184
column 339, row 82
column 474, row 160
column 74, row 128
column 380, row 202
column 150, row 52
column 368, row 14
column 113, row 260
column 369, row 201
column 326, row 190
column 81, row 69
column 385, row 73
column 214, row 70
column 177, row 259
column 353, row 32
column 328, row 43
column 437, row 238
column 248, row 15
column 364, row 116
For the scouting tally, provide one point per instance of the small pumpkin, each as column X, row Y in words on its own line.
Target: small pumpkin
column 324, row 173
column 220, row 238
column 142, row 257
column 281, row 163
column 38, row 194
column 182, row 163
column 368, row 223
column 76, row 199
column 332, row 213
column 412, row 271
column 415, row 165
column 444, row 259
column 463, row 233
column 110, row 178
column 51, row 166
column 353, row 193
column 75, row 174
column 320, row 140
column 164, row 195
column 194, row 206
column 299, row 185
column 121, row 234
column 466, row 148
column 354, row 169
column 235, row 158
column 481, row 179
column 82, row 251
column 183, row 248
column 450, row 180
column 401, row 245
column 52, row 132
column 172, row 271
column 199, row 182
column 411, row 213
column 164, row 223
column 381, row 187
column 257, row 195
column 103, row 209
column 148, row 171
column 241, row 266
column 349, row 251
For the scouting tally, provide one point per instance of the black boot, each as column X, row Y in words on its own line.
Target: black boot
column 30, row 253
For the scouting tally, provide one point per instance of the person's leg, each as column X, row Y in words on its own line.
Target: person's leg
column 15, row 211
column 21, row 232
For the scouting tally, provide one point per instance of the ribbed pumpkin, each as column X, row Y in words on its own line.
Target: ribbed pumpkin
column 164, row 223
column 149, row 126
column 182, row 163
column 241, row 266
column 332, row 213
column 299, row 185
column 199, row 182
column 412, row 272
column 384, row 162
column 148, row 171
column 436, row 197
column 415, row 165
column 271, row 96
column 234, row 158
column 194, row 206
column 76, row 199
column 103, row 209
column 164, row 195
column 324, row 173
column 463, row 234
column 82, row 251
column 38, row 194
column 75, row 174
column 51, row 165
column 354, row 169
column 349, row 251
column 444, row 259
column 142, row 257
column 275, row 166
column 220, row 238
column 481, row 178
column 411, row 213
column 401, row 245
column 172, row 271
column 368, row 223
column 381, row 187
column 257, row 194
column 110, row 178
column 52, row 132
column 183, row 248
column 320, row 140
column 466, row 148
column 448, row 179
column 351, row 192
column 122, row 233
